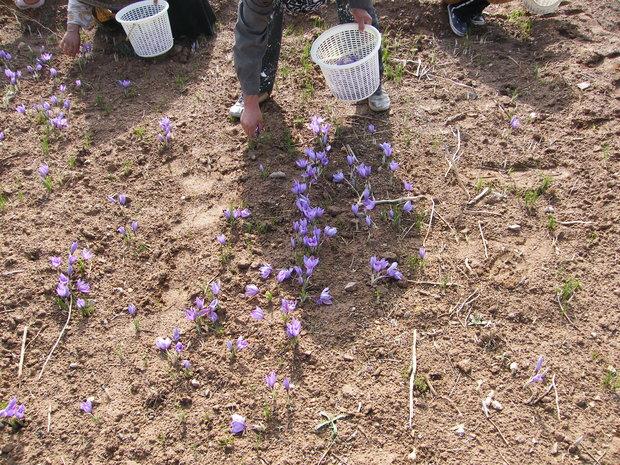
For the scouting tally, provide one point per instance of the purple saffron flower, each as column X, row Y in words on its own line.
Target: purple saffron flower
column 87, row 254
column 216, row 287
column 122, row 199
column 121, row 230
column 73, row 259
column 284, row 274
column 378, row 265
column 298, row 187
column 355, row 208
column 221, row 239
column 179, row 347
column 310, row 263
column 176, row 334
column 78, row 83
column 163, row 343
column 62, row 290
column 315, row 124
column 338, row 177
column 227, row 213
column 45, row 57
column 82, row 286
column 288, row 306
column 229, row 345
column 293, row 328
column 515, row 122
column 251, row 290
column 286, row 384
column 408, row 186
column 13, row 410
column 186, row 364
column 422, row 253
column 537, row 378
column 21, row 109
column 74, row 247
column 369, row 204
column 242, row 343
column 124, row 83
column 237, row 425
column 66, row 104
column 54, row 100
column 80, row 303
column 271, row 379
column 245, row 213
column 330, row 231
column 408, row 207
column 56, row 262
column 87, row 406
column 265, row 271
column 1, row 136
column 368, row 220
column 325, row 298
column 63, row 279
column 134, row 226
column 364, row 170
column 371, row 128
column 59, row 122
column 62, row 88
column 393, row 272
column 43, row 170
column 53, row 73
column 257, row 313
column 131, row 309
column 394, row 165
column 387, row 149
column 539, row 364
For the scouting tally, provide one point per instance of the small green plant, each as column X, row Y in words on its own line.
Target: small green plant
column 480, row 185
column 102, row 104
column 226, row 442
column 611, row 380
column 139, row 132
column 3, row 201
column 606, row 151
column 420, row 384
column 318, row 22
column 552, row 223
column 531, row 196
column 568, row 288
column 72, row 161
column 87, row 139
column 48, row 183
column 181, row 80
column 127, row 168
column 521, row 21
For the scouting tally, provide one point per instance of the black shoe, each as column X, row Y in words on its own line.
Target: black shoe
column 478, row 20
column 458, row 25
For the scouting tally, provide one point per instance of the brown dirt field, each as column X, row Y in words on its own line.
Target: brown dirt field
column 353, row 357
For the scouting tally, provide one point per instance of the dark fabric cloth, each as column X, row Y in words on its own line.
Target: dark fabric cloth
column 258, row 35
column 466, row 9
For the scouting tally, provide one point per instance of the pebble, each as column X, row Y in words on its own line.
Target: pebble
column 464, row 365
column 514, row 228
column 349, row 390
column 413, row 455
column 73, row 365
column 350, row 286
column 514, row 367
column 554, row 449
column 278, row 175
column 549, row 209
column 195, row 383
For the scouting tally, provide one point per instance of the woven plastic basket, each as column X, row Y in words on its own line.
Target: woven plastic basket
column 148, row 27
column 349, row 60
column 541, row 7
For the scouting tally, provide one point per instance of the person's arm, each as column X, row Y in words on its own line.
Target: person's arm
column 359, row 10
column 79, row 15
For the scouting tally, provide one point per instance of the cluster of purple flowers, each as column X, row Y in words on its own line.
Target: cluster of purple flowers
column 121, row 199
column 271, row 379
column 5, row 56
column 87, row 406
column 310, row 236
column 236, row 346
column 70, row 285
column 539, row 373
column 128, row 233
column 12, row 76
column 13, row 412
column 382, row 269
column 233, row 214
column 166, row 127
column 173, row 347
column 200, row 312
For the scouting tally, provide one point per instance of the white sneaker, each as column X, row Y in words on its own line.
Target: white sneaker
column 22, row 5
column 379, row 101
column 236, row 110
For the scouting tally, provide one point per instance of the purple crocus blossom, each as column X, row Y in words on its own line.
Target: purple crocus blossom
column 134, row 226
column 45, row 57
column 271, row 379
column 325, row 298
column 131, row 309
column 21, row 109
column 330, row 231
column 394, row 165
column 265, row 271
column 539, row 364
column 87, row 254
column 54, row 100
column 66, row 104
column 338, row 177
column 53, row 72
column 163, row 343
column 78, row 83
column 62, row 290
column 242, row 343
column 393, row 272
column 237, row 425
column 284, row 274
column 87, row 406
column 216, row 287
column 185, row 364
column 258, row 314
column 293, row 328
column 310, row 263
column 387, row 149
column 56, row 262
column 74, row 246
column 298, row 187
column 1, row 136
column 515, row 122
column 176, row 334
column 121, row 230
column 122, row 199
column 59, row 122
column 378, row 265
column 364, row 170
column 13, row 410
column 80, row 303
column 62, row 88
column 221, row 238
column 251, row 290
column 286, row 384
column 408, row 186
column 124, row 83
column 82, row 286
column 287, row 306
column 355, row 208
column 179, row 347
column 371, row 128
column 43, row 170
column 408, row 207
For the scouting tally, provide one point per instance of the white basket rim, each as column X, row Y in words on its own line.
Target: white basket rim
column 544, row 2
column 333, row 31
column 134, row 6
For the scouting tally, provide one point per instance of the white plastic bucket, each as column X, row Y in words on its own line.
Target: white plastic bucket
column 541, row 7
column 349, row 60
column 147, row 26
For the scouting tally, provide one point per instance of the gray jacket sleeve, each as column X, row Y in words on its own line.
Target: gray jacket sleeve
column 251, row 40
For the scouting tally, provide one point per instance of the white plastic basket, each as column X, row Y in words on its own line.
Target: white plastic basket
column 147, row 26
column 349, row 60
column 541, row 7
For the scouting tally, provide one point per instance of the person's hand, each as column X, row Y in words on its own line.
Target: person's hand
column 361, row 17
column 70, row 43
column 252, row 117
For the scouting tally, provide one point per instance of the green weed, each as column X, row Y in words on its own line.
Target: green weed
column 611, row 380
column 521, row 21
column 531, row 196
column 568, row 288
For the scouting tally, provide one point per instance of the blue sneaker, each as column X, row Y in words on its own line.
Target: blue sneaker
column 459, row 25
column 478, row 20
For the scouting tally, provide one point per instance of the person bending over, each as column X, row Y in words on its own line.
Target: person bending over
column 258, row 37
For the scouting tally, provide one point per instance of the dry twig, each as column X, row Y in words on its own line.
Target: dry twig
column 22, row 353
column 62, row 331
column 414, row 363
column 484, row 241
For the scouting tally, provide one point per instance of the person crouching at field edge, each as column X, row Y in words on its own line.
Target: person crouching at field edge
column 463, row 13
column 258, row 37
